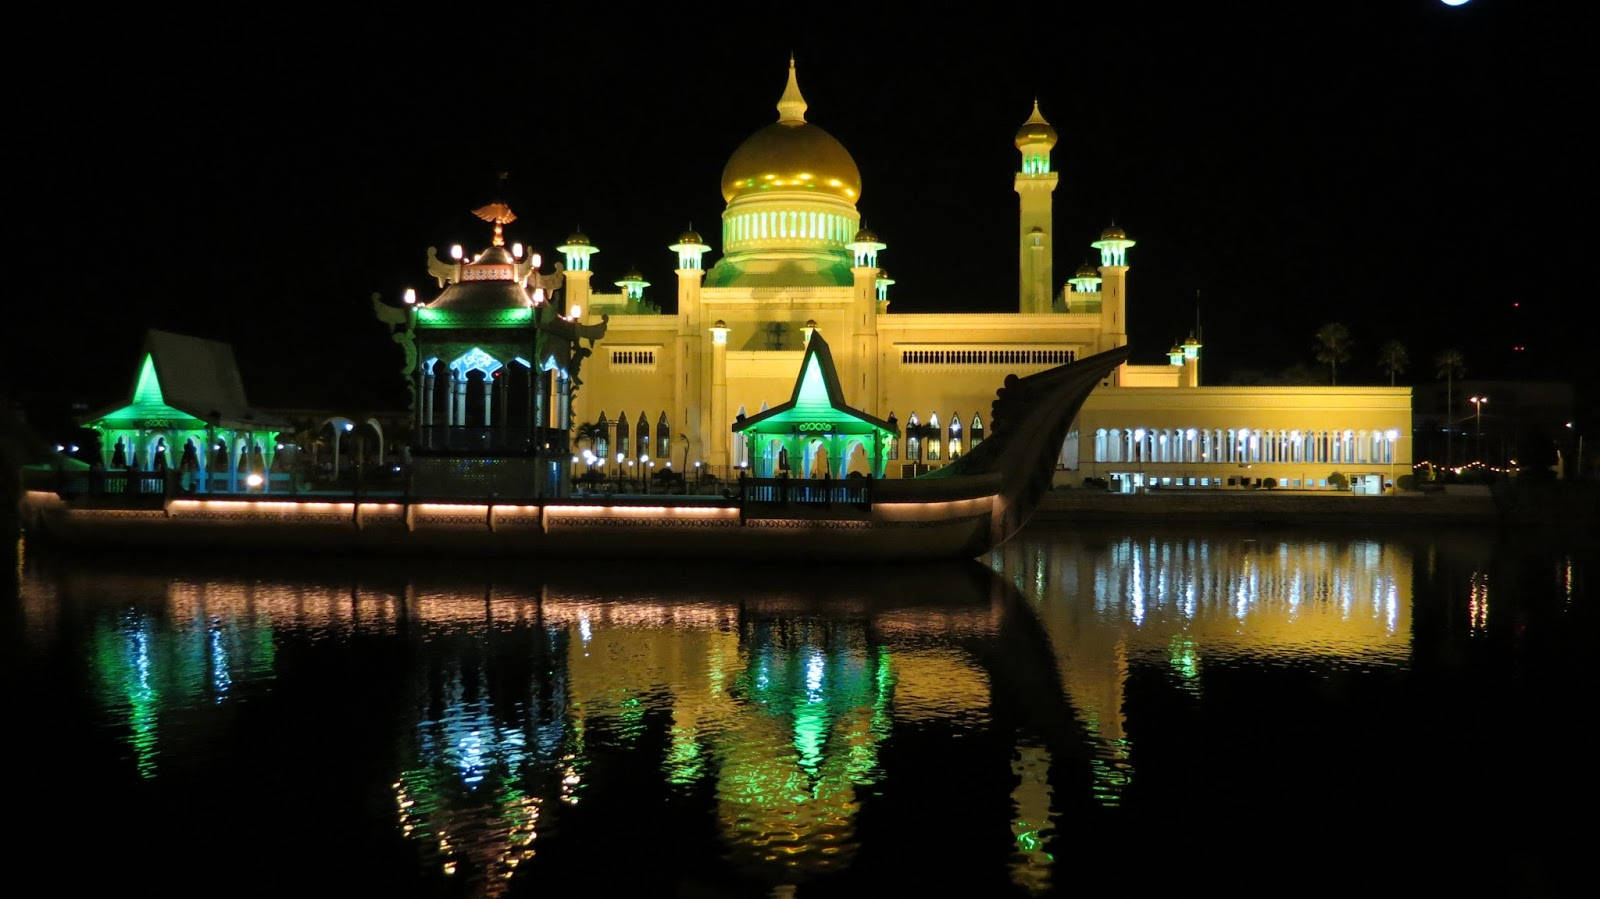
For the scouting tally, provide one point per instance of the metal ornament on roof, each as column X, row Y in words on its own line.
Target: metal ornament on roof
column 498, row 214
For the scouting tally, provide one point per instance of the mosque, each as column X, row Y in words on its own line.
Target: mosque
column 677, row 389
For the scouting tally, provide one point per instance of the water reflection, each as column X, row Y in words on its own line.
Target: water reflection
column 1111, row 604
column 739, row 729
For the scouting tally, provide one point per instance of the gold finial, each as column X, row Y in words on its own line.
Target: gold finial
column 792, row 106
column 500, row 215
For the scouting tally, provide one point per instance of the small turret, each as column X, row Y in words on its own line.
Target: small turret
column 882, row 283
column 1086, row 279
column 632, row 284
column 1113, row 246
column 865, row 246
column 690, row 249
column 578, row 249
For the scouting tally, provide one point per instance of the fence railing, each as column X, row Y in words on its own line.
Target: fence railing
column 790, row 491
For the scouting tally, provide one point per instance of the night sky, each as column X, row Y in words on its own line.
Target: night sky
column 1407, row 168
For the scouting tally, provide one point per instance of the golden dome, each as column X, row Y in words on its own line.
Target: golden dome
column 1113, row 233
column 1087, row 270
column 1036, row 130
column 692, row 237
column 791, row 154
column 578, row 239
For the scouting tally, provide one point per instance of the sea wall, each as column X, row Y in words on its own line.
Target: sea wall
column 1268, row 507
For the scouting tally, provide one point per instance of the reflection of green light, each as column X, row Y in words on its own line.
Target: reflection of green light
column 143, row 700
column 810, row 735
column 1184, row 659
column 684, row 762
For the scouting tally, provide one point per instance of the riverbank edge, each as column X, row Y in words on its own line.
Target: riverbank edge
column 1262, row 507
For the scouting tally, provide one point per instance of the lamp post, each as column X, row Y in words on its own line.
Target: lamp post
column 1477, row 414
column 644, row 476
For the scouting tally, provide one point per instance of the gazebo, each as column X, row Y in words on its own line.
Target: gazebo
column 815, row 434
column 188, row 413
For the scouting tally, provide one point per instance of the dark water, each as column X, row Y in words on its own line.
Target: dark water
column 1109, row 711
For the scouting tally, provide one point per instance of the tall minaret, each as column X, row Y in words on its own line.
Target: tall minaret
column 1034, row 185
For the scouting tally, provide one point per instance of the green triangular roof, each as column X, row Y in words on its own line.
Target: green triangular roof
column 148, row 404
column 817, row 394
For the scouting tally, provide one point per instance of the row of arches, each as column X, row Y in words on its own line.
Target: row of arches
column 629, row 442
column 1244, row 445
column 934, row 443
column 477, row 391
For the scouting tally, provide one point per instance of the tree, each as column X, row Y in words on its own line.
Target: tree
column 1448, row 366
column 1333, row 347
column 1392, row 359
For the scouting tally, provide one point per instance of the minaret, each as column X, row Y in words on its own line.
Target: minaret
column 863, row 375
column 1113, row 246
column 691, row 396
column 578, row 249
column 1035, row 183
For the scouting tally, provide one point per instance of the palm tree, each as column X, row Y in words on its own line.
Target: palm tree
column 1448, row 366
column 1333, row 347
column 1392, row 358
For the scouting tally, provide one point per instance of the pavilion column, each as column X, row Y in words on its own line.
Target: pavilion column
column 202, row 454
column 419, row 414
column 427, row 398
column 458, row 412
column 488, row 399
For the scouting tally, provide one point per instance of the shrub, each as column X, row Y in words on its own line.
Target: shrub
column 1338, row 481
column 1270, row 483
column 1406, row 482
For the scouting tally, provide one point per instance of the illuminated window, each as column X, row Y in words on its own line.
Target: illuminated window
column 663, row 439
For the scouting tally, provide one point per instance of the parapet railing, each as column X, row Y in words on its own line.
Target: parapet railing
column 855, row 492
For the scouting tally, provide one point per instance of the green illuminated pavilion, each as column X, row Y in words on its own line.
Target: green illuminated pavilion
column 188, row 412
column 815, row 426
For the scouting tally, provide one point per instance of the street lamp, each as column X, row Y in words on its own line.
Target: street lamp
column 644, row 476
column 1477, row 413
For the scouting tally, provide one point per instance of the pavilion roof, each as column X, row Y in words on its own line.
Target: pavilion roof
column 187, row 382
column 817, row 396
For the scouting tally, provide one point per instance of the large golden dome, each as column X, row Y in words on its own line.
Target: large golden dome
column 791, row 154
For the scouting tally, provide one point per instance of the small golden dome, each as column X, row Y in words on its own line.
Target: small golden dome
column 633, row 274
column 791, row 154
column 690, row 237
column 1113, row 233
column 1036, row 130
column 720, row 324
column 578, row 239
column 865, row 236
column 1087, row 270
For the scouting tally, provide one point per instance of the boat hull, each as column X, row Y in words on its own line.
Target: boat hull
column 953, row 525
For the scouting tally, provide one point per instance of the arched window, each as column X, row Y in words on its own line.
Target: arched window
column 602, row 435
column 975, row 436
column 934, row 435
column 955, row 436
column 663, row 438
column 624, row 436
column 641, row 434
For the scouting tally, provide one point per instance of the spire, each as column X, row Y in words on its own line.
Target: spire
column 792, row 106
column 1037, row 118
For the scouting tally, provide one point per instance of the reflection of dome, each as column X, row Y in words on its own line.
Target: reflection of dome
column 1036, row 130
column 791, row 154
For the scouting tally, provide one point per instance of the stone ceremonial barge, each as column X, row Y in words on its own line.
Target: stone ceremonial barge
column 959, row 511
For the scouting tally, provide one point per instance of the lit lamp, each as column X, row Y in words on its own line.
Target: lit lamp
column 1477, row 414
